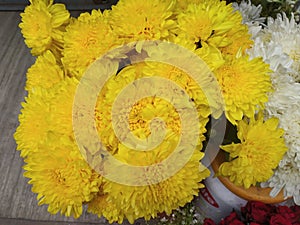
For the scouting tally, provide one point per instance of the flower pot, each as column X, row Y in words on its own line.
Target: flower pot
column 250, row 194
column 216, row 201
column 220, row 196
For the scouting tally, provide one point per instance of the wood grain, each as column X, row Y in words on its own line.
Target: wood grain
column 18, row 205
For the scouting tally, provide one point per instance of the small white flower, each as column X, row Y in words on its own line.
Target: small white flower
column 164, row 219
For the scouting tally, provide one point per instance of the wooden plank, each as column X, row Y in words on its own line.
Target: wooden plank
column 15, row 59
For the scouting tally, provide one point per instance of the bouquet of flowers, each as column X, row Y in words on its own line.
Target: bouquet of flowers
column 121, row 105
column 258, row 213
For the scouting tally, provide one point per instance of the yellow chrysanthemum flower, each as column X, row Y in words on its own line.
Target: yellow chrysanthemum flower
column 33, row 123
column 55, row 102
column 138, row 71
column 42, row 26
column 181, row 5
column 100, row 206
column 135, row 20
column 86, row 39
column 261, row 149
column 208, row 21
column 245, row 85
column 60, row 176
column 45, row 72
column 211, row 55
column 147, row 201
column 61, row 106
column 105, row 102
column 58, row 172
column 185, row 81
column 240, row 40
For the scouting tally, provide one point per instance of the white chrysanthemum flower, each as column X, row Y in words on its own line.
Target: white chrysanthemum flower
column 293, row 155
column 290, row 122
column 250, row 13
column 279, row 45
column 251, row 16
column 271, row 52
column 283, row 101
column 287, row 177
column 282, row 24
column 286, row 34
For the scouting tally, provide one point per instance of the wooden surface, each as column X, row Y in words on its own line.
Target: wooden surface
column 18, row 205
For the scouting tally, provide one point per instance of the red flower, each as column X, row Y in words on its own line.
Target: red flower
column 258, row 212
column 278, row 219
column 209, row 221
column 232, row 219
column 288, row 213
column 283, row 209
column 296, row 210
column 236, row 222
